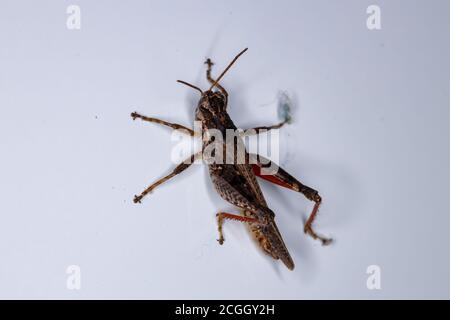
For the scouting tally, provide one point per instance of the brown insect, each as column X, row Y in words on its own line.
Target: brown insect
column 236, row 181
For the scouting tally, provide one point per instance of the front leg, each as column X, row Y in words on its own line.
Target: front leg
column 284, row 179
column 209, row 63
column 174, row 126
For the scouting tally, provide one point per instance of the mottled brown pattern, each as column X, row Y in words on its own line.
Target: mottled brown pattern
column 236, row 182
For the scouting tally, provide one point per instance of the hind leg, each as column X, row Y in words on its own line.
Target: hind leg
column 224, row 215
column 284, row 179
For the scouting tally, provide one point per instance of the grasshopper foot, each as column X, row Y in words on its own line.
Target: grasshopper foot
column 137, row 199
column 209, row 63
column 135, row 115
column 309, row 231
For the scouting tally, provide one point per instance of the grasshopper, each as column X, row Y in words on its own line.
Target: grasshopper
column 236, row 182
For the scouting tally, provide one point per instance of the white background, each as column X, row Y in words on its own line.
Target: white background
column 370, row 132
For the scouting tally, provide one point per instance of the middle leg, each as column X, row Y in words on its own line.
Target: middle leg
column 180, row 168
column 257, row 130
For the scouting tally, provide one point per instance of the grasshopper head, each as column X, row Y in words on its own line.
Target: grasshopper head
column 211, row 105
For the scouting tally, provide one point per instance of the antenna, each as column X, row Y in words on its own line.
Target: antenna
column 190, row 85
column 226, row 69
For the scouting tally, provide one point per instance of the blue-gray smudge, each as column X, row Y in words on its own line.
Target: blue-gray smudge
column 284, row 107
